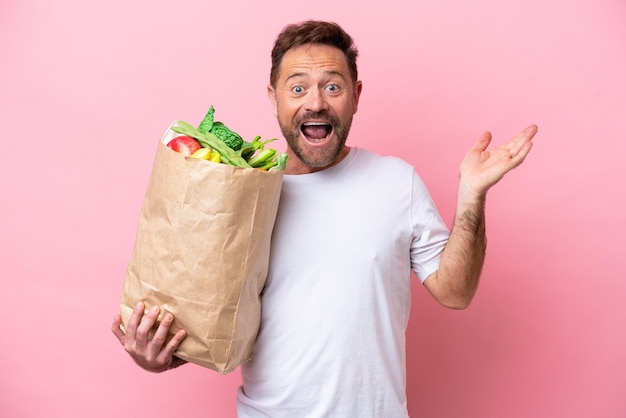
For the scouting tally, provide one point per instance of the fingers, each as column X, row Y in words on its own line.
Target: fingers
column 133, row 323
column 483, row 142
column 168, row 351
column 160, row 335
column 142, row 335
column 483, row 168
column 158, row 349
column 522, row 153
column 117, row 330
column 531, row 130
column 519, row 147
column 519, row 142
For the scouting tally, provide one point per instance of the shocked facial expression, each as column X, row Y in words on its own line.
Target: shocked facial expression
column 314, row 101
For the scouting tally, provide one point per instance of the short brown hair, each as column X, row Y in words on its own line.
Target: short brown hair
column 313, row 32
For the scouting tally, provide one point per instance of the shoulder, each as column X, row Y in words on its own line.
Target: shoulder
column 366, row 155
column 384, row 163
column 389, row 171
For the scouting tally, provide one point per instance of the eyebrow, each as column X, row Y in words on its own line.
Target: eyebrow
column 327, row 73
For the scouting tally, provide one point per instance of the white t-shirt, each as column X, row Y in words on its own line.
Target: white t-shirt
column 336, row 303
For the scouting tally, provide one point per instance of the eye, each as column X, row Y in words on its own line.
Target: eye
column 333, row 88
column 298, row 89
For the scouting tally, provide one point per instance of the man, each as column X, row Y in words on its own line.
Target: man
column 351, row 226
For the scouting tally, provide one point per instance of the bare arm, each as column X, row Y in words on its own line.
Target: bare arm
column 456, row 281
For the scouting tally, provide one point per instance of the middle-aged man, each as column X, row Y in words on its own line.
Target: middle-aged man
column 351, row 227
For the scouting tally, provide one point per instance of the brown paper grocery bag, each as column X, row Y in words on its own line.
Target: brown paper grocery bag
column 202, row 253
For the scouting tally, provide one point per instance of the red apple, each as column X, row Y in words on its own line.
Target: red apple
column 186, row 145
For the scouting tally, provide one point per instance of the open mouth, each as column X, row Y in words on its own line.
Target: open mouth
column 316, row 132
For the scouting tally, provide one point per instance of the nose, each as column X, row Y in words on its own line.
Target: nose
column 316, row 101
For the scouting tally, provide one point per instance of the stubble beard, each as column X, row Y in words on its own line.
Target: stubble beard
column 316, row 157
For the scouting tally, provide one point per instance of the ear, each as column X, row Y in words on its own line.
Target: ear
column 358, row 87
column 271, row 94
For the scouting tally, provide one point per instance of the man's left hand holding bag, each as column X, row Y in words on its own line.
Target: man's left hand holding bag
column 154, row 355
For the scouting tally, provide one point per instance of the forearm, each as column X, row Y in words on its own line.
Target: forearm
column 456, row 281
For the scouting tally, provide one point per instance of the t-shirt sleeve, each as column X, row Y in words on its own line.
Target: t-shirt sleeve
column 430, row 233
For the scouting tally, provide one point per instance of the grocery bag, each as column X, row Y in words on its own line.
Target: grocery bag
column 202, row 253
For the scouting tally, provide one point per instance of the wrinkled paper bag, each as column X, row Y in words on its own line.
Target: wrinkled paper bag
column 202, row 253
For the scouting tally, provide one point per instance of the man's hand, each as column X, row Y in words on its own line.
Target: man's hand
column 481, row 169
column 154, row 355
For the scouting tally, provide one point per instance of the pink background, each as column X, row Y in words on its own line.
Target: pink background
column 86, row 88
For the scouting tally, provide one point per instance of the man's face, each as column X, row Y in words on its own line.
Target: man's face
column 314, row 101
